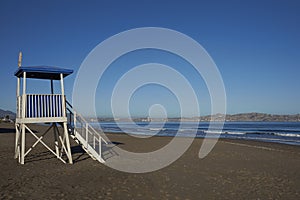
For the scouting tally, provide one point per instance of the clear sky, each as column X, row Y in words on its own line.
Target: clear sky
column 255, row 44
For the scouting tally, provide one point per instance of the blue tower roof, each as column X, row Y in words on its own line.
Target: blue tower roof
column 43, row 72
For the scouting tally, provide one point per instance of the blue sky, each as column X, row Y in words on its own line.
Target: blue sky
column 255, row 44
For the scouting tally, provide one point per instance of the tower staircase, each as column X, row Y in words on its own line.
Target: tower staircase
column 84, row 134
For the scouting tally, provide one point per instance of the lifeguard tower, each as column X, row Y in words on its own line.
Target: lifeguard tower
column 51, row 109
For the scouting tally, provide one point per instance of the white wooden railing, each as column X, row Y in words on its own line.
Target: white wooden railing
column 40, row 106
column 81, row 130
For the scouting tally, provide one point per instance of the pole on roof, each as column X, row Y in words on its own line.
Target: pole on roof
column 20, row 59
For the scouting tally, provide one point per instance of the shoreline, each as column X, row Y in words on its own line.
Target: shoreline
column 221, row 139
column 234, row 169
column 284, row 133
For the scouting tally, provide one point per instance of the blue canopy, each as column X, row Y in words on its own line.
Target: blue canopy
column 43, row 72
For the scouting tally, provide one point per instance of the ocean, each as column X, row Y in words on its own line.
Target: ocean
column 278, row 132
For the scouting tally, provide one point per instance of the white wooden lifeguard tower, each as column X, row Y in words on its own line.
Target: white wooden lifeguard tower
column 51, row 108
column 41, row 108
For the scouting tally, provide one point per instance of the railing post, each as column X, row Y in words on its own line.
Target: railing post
column 87, row 134
column 74, row 113
column 38, row 106
column 100, row 147
column 94, row 141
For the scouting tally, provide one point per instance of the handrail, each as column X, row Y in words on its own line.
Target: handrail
column 82, row 118
column 86, row 134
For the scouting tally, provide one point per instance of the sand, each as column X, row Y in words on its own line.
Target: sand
column 233, row 170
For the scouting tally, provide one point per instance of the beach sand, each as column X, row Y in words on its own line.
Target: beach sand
column 233, row 170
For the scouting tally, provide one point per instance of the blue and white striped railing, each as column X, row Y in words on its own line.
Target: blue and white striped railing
column 41, row 105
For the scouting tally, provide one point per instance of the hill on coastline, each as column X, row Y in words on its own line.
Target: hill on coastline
column 4, row 113
column 256, row 117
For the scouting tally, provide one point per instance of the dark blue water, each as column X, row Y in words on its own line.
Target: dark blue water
column 279, row 132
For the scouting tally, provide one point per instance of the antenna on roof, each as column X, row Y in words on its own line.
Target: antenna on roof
column 20, row 59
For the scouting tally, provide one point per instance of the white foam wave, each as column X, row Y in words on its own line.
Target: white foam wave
column 157, row 129
column 213, row 132
column 287, row 134
column 234, row 133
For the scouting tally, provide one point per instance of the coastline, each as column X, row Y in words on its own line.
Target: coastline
column 235, row 169
column 276, row 132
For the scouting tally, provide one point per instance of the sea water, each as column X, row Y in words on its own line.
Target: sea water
column 279, row 132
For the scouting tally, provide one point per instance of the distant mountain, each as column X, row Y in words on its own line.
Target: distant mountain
column 4, row 113
column 253, row 117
